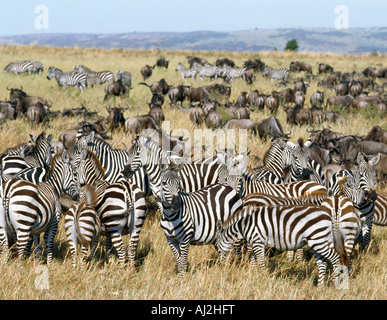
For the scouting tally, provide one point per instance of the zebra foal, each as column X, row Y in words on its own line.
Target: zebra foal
column 83, row 225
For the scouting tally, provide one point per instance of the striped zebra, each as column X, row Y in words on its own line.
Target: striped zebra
column 105, row 76
column 232, row 73
column 342, row 210
column 19, row 67
column 38, row 156
column 363, row 177
column 30, row 209
column 37, row 67
column 380, row 212
column 65, row 79
column 285, row 228
column 120, row 205
column 194, row 175
column 190, row 218
column 206, row 71
column 83, row 225
column 186, row 73
column 277, row 74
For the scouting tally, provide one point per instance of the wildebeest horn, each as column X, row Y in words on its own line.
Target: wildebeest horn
column 8, row 89
column 310, row 131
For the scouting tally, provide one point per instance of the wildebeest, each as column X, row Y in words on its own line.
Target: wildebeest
column 256, row 64
column 115, row 89
column 198, row 60
column 376, row 134
column 116, row 117
column 324, row 68
column 213, row 120
column 317, row 98
column 299, row 98
column 159, row 87
column 271, row 127
column 199, row 94
column 300, row 85
column 156, row 112
column 300, row 66
column 137, row 124
column 177, row 94
column 342, row 88
column 343, row 101
column 225, row 61
column 162, row 63
column 22, row 101
column 197, row 115
column 272, row 102
column 36, row 113
column 298, row 115
column 8, row 109
column 241, row 124
column 146, row 71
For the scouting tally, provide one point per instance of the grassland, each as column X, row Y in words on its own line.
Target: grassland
column 155, row 277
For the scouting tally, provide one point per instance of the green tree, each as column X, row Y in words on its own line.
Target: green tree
column 292, row 45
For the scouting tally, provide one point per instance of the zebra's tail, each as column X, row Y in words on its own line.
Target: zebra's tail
column 89, row 195
column 338, row 242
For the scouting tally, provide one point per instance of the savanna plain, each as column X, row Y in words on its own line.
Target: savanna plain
column 155, row 275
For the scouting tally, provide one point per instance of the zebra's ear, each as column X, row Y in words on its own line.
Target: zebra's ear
column 360, row 158
column 49, row 138
column 90, row 137
column 222, row 157
column 32, row 138
column 65, row 156
column 83, row 154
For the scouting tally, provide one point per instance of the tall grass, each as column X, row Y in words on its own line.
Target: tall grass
column 154, row 276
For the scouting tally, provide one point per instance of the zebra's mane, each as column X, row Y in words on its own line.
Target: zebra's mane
column 91, row 155
column 271, row 150
column 53, row 161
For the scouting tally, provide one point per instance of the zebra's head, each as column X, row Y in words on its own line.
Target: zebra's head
column 52, row 73
column 138, row 153
column 64, row 174
column 365, row 173
column 42, row 149
column 266, row 71
column 88, row 168
column 171, row 185
column 231, row 169
column 82, row 142
column 299, row 159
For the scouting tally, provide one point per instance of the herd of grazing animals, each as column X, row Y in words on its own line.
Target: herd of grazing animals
column 319, row 192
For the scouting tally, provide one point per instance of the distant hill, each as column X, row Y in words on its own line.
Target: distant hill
column 350, row 41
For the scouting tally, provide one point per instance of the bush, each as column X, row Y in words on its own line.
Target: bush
column 292, row 45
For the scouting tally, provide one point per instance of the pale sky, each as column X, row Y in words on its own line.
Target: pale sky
column 120, row 16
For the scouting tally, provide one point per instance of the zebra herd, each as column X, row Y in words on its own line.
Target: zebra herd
column 80, row 77
column 216, row 200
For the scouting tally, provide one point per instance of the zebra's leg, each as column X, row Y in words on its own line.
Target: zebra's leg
column 49, row 239
column 118, row 244
column 322, row 268
column 22, row 237
column 175, row 247
column 258, row 257
column 93, row 247
column 3, row 233
column 184, row 249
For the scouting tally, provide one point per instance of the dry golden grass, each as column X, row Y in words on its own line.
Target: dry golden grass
column 155, row 275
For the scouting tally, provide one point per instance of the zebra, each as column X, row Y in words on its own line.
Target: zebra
column 194, row 175
column 278, row 74
column 342, row 210
column 37, row 67
column 232, row 73
column 19, row 67
column 83, row 224
column 190, row 218
column 39, row 156
column 105, row 76
column 120, row 205
column 285, row 228
column 30, row 209
column 364, row 177
column 65, row 79
column 206, row 71
column 380, row 211
column 186, row 73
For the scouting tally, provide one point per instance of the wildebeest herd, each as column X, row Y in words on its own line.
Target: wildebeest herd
column 318, row 192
